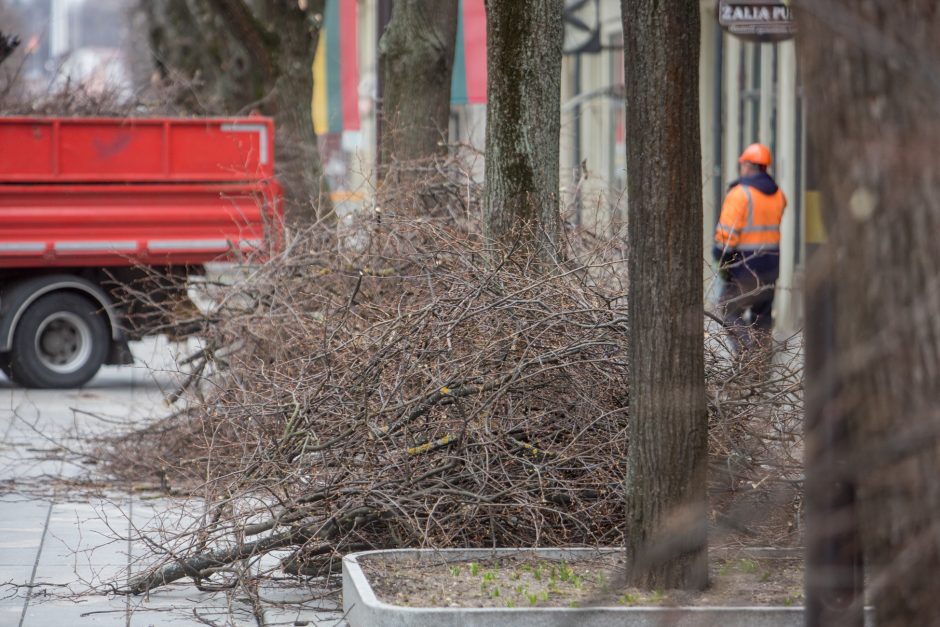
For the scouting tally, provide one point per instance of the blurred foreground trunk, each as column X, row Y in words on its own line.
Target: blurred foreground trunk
column 871, row 81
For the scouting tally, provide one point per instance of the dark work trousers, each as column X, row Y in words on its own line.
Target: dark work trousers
column 742, row 295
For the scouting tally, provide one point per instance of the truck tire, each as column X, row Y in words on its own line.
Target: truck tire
column 60, row 342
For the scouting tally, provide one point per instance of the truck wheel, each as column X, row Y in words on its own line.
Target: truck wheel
column 60, row 342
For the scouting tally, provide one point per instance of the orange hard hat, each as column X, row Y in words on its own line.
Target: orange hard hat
column 756, row 153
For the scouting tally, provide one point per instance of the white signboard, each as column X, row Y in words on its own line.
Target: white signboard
column 757, row 20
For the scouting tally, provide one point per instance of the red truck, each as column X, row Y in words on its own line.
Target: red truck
column 90, row 205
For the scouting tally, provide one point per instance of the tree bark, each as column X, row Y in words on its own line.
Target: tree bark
column 869, row 67
column 666, row 463
column 523, row 123
column 416, row 56
column 241, row 56
column 299, row 31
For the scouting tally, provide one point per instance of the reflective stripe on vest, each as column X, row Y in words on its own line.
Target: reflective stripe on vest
column 766, row 247
column 750, row 227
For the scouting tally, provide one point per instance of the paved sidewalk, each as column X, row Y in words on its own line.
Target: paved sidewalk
column 62, row 543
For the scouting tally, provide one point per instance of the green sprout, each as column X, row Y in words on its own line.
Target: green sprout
column 629, row 599
column 474, row 568
column 533, row 599
column 455, row 570
column 749, row 566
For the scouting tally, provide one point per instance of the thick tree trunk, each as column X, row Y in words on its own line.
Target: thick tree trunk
column 416, row 56
column 870, row 72
column 298, row 31
column 523, row 122
column 666, row 498
column 242, row 56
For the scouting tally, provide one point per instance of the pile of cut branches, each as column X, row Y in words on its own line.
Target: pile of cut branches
column 397, row 384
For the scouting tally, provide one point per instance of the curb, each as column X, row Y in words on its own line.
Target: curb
column 362, row 607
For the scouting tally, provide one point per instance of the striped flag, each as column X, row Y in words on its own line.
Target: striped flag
column 335, row 104
column 468, row 84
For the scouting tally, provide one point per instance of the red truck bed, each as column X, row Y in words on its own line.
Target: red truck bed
column 110, row 192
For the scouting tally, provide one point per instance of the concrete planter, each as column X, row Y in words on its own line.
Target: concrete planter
column 364, row 609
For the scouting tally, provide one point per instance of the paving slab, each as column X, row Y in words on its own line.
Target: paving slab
column 51, row 612
column 17, row 510
column 60, row 548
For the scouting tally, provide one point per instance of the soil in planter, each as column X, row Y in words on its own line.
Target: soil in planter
column 527, row 580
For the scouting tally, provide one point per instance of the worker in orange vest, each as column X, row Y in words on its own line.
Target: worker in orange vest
column 747, row 248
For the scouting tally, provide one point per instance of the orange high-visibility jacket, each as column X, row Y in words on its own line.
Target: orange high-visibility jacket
column 750, row 219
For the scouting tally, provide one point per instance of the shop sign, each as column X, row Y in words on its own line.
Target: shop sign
column 757, row 20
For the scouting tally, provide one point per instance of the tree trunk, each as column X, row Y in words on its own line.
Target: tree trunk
column 523, row 123
column 416, row 56
column 869, row 67
column 666, row 463
column 299, row 32
column 241, row 56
